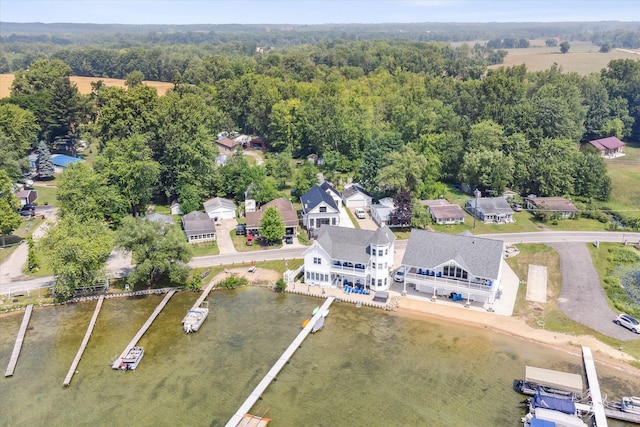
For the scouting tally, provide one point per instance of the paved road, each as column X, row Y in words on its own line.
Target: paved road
column 582, row 298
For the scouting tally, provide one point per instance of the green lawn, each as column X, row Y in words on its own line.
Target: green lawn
column 202, row 249
column 46, row 194
column 26, row 228
column 625, row 176
column 240, row 243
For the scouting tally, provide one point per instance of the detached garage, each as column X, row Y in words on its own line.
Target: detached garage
column 354, row 196
column 219, row 208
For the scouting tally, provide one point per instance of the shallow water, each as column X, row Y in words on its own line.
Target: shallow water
column 365, row 368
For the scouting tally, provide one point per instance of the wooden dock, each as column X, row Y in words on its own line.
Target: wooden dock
column 141, row 332
column 204, row 295
column 83, row 345
column 237, row 418
column 19, row 340
column 597, row 404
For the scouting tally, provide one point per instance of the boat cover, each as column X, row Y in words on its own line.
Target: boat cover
column 555, row 404
column 541, row 423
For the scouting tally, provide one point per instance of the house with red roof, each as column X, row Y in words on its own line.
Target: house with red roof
column 609, row 148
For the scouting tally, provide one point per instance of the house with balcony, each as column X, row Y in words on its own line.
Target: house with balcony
column 358, row 257
column 319, row 209
column 442, row 264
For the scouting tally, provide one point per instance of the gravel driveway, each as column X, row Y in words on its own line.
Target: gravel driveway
column 582, row 297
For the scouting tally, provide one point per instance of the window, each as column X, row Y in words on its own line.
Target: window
column 323, row 209
column 333, row 221
column 386, row 251
column 379, row 282
column 380, row 266
column 373, row 265
column 379, row 252
column 317, row 260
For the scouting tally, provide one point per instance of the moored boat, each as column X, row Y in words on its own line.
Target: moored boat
column 132, row 359
column 325, row 313
column 631, row 404
column 194, row 319
column 305, row 323
column 530, row 388
column 315, row 310
column 319, row 324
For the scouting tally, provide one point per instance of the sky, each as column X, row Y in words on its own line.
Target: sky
column 314, row 11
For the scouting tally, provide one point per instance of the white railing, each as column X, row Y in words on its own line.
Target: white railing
column 445, row 282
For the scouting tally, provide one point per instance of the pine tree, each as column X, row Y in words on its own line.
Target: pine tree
column 44, row 165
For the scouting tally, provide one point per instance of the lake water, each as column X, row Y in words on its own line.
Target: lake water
column 365, row 368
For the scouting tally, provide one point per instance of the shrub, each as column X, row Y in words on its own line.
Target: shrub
column 232, row 282
column 281, row 285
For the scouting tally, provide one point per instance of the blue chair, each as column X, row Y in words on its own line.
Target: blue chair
column 439, row 273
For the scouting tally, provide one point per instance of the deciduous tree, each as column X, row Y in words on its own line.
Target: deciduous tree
column 272, row 225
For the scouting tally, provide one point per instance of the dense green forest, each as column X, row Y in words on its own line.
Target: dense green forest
column 400, row 115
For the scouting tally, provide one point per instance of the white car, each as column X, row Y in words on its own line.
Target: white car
column 360, row 213
column 399, row 276
column 628, row 322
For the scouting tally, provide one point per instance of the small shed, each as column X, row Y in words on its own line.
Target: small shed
column 175, row 208
column 27, row 196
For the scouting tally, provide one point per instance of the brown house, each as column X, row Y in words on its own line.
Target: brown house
column 443, row 212
column 227, row 145
column 560, row 206
column 609, row 147
column 287, row 211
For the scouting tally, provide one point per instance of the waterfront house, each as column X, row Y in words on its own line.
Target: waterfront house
column 558, row 207
column 219, row 208
column 490, row 209
column 286, row 210
column 318, row 209
column 443, row 212
column 354, row 196
column 442, row 264
column 342, row 255
column 198, row 227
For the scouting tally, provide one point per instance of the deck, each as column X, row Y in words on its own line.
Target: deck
column 141, row 332
column 237, row 418
column 83, row 345
column 19, row 340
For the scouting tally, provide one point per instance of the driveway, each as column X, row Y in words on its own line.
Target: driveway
column 366, row 223
column 223, row 236
column 582, row 297
column 345, row 220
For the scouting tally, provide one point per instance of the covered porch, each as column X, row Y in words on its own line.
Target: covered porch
column 450, row 281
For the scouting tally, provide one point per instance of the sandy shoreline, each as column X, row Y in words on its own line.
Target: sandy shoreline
column 516, row 327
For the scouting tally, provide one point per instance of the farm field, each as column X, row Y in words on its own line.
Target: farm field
column 583, row 57
column 84, row 84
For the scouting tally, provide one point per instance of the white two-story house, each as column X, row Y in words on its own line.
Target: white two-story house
column 342, row 255
column 318, row 209
column 442, row 264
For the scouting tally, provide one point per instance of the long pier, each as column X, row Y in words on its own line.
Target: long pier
column 271, row 375
column 83, row 345
column 19, row 340
column 597, row 404
column 144, row 328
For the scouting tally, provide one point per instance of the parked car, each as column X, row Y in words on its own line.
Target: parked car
column 399, row 276
column 516, row 207
column 360, row 213
column 27, row 212
column 241, row 229
column 628, row 322
column 288, row 239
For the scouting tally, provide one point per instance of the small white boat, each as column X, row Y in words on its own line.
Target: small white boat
column 315, row 310
column 132, row 359
column 194, row 319
column 631, row 404
column 325, row 313
column 319, row 324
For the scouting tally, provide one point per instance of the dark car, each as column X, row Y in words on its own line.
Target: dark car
column 241, row 230
column 27, row 212
column 288, row 239
column 29, row 207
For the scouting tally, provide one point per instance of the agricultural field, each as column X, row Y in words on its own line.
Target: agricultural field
column 625, row 176
column 583, row 57
column 84, row 84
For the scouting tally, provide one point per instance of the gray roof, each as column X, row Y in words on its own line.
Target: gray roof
column 197, row 223
column 479, row 256
column 490, row 205
column 218, row 202
column 314, row 197
column 354, row 189
column 352, row 244
column 326, row 185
